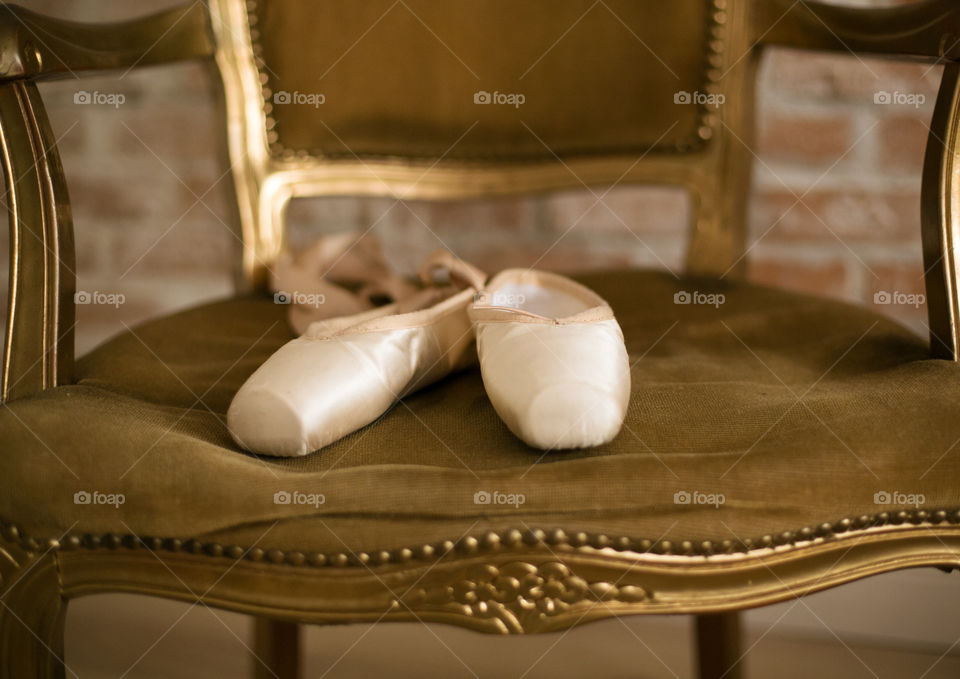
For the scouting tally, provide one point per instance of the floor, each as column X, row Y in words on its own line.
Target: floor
column 903, row 625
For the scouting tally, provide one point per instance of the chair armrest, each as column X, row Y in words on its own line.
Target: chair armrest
column 930, row 28
column 36, row 46
column 940, row 223
column 38, row 344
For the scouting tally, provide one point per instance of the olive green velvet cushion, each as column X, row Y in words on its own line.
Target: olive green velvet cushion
column 797, row 410
column 409, row 78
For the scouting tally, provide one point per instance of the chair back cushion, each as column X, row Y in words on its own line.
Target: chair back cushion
column 482, row 79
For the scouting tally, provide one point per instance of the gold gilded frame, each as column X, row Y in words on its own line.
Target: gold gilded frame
column 560, row 579
column 511, row 582
column 709, row 169
column 38, row 347
column 941, row 219
column 38, row 344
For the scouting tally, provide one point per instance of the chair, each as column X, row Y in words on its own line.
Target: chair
column 777, row 444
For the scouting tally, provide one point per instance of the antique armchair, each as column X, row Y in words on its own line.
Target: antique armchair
column 824, row 433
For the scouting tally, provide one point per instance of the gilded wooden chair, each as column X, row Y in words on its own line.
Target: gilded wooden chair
column 776, row 445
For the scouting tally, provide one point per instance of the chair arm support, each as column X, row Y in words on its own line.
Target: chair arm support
column 37, row 46
column 38, row 343
column 930, row 28
column 940, row 219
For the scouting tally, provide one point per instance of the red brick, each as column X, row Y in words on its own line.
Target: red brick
column 167, row 132
column 641, row 209
column 213, row 196
column 185, row 83
column 805, row 139
column 902, row 140
column 92, row 246
column 411, row 231
column 827, row 277
column 506, row 216
column 308, row 218
column 196, row 245
column 104, row 198
column 898, row 280
column 817, row 75
column 826, row 215
column 563, row 257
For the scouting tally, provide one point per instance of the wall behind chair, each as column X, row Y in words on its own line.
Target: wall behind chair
column 835, row 206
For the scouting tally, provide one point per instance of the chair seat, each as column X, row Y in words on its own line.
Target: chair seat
column 768, row 412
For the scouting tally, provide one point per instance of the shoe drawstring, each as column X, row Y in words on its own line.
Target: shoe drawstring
column 460, row 271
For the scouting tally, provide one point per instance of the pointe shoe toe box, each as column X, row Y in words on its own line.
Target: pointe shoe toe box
column 314, row 392
column 263, row 419
column 571, row 416
column 557, row 387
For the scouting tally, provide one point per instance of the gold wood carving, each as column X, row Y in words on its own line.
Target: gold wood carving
column 714, row 166
column 41, row 47
column 32, row 611
column 928, row 28
column 38, row 346
column 519, row 595
column 941, row 219
column 501, row 582
column 505, row 589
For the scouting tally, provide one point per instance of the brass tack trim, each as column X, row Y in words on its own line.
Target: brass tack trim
column 489, row 541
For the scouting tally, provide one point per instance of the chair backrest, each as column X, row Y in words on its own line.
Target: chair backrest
column 435, row 99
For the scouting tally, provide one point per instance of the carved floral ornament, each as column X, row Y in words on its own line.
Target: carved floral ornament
column 519, row 595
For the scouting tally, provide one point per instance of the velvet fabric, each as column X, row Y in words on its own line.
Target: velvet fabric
column 796, row 410
column 608, row 84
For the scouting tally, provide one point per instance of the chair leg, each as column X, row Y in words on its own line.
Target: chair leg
column 277, row 649
column 32, row 615
column 718, row 646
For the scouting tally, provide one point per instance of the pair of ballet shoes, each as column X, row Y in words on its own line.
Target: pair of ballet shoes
column 551, row 354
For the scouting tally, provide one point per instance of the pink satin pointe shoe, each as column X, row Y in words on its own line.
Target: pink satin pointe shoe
column 553, row 359
column 338, row 274
column 344, row 373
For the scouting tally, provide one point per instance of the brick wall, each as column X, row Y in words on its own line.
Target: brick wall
column 835, row 206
